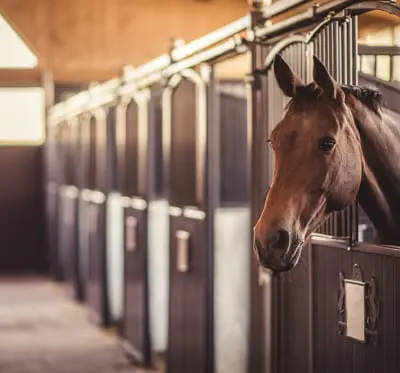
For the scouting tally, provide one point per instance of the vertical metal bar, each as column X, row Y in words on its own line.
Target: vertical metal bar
column 335, row 72
column 344, row 53
column 354, row 38
column 327, row 31
column 267, row 309
column 328, row 47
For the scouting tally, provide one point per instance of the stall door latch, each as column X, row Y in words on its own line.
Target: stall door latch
column 358, row 307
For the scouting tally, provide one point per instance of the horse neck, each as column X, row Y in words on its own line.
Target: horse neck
column 379, row 193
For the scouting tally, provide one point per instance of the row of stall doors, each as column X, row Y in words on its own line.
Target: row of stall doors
column 174, row 285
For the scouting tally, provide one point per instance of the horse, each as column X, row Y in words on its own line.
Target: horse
column 336, row 144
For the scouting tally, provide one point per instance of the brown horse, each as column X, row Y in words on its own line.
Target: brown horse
column 334, row 145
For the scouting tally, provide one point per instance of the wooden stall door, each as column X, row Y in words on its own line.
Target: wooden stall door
column 52, row 229
column 68, row 235
column 190, row 342
column 380, row 352
column 189, row 316
column 96, row 287
column 136, row 336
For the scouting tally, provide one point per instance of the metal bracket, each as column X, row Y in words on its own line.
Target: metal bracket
column 183, row 244
column 131, row 233
column 358, row 307
column 254, row 78
column 93, row 219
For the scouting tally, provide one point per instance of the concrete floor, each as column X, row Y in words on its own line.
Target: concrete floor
column 43, row 331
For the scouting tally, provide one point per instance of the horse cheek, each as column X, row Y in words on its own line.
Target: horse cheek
column 345, row 188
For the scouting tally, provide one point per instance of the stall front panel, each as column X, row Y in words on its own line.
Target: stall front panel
column 185, row 120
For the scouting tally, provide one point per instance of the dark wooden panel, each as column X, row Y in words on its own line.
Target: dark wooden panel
column 96, row 293
column 84, row 144
column 294, row 308
column 68, row 241
column 183, row 146
column 190, row 329
column 120, row 146
column 84, row 207
column 92, row 159
column 131, row 150
column 63, row 152
column 234, row 186
column 332, row 352
column 156, row 162
column 136, row 331
column 64, row 254
column 101, row 154
column 22, row 223
column 52, row 205
column 74, row 156
column 111, row 158
column 52, row 155
column 383, row 357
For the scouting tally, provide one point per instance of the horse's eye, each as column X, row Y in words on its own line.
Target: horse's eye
column 326, row 144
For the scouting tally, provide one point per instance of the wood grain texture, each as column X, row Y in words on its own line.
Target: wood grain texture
column 22, row 213
column 80, row 41
column 92, row 39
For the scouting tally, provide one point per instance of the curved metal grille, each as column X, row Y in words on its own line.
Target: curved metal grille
column 334, row 41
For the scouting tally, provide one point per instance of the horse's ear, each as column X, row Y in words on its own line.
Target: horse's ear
column 287, row 80
column 323, row 79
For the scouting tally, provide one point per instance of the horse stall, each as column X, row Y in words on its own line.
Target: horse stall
column 68, row 206
column 206, row 173
column 231, row 230
column 336, row 311
column 141, row 214
column 52, row 177
column 133, row 171
column 93, row 117
column 185, row 144
column 99, row 290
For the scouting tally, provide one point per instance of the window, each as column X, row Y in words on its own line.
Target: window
column 22, row 115
column 14, row 52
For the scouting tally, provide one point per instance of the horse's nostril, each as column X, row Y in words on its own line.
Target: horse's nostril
column 262, row 252
column 279, row 239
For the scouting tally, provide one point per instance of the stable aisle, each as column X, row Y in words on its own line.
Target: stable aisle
column 43, row 331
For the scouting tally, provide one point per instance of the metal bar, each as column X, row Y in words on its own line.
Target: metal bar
column 311, row 320
column 210, row 39
column 385, row 6
column 258, row 181
column 282, row 6
column 85, row 102
column 306, row 18
column 354, row 51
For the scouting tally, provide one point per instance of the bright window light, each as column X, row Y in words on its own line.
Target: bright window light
column 14, row 53
column 22, row 115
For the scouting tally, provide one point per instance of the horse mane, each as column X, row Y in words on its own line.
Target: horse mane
column 370, row 97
